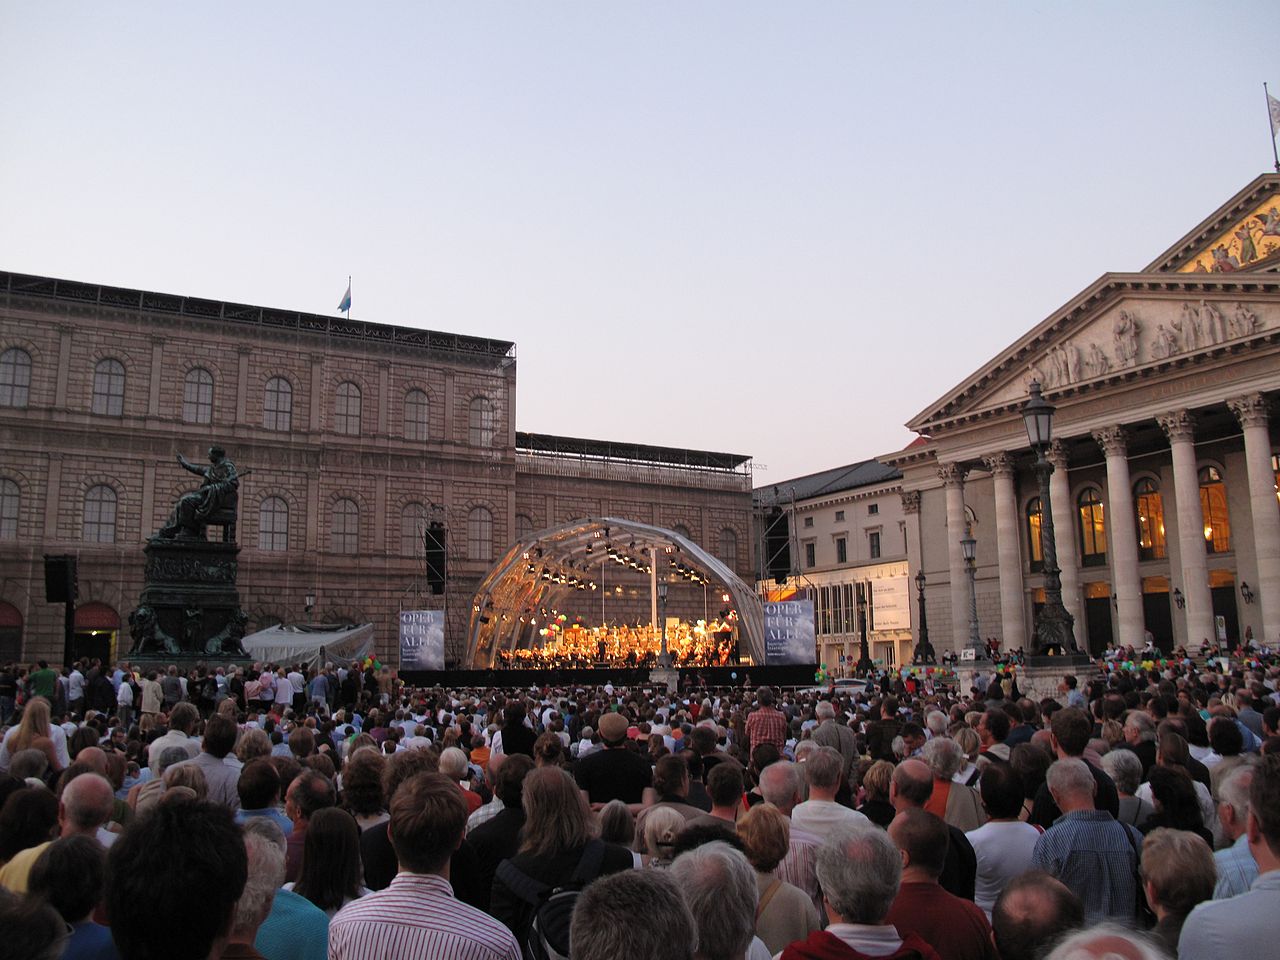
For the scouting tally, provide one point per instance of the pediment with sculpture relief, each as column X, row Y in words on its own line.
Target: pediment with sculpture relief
column 1125, row 333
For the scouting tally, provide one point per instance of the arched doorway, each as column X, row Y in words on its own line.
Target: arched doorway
column 97, row 628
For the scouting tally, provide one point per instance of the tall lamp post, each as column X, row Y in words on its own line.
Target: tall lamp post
column 664, row 658
column 1053, row 629
column 969, row 547
column 924, row 649
column 864, row 666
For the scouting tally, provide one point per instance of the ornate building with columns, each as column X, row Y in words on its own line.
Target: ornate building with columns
column 1164, row 489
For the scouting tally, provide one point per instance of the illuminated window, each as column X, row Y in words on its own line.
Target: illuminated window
column 273, row 525
column 1213, row 506
column 99, row 515
column 416, row 410
column 277, row 404
column 346, row 409
column 1093, row 529
column 1150, row 512
column 344, row 535
column 108, row 388
column 1034, row 546
column 480, row 534
column 197, row 396
column 413, row 527
column 15, row 378
column 480, row 422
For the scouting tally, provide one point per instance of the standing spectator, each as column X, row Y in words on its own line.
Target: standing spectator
column 330, row 874
column 1086, row 848
column 152, row 695
column 1071, row 729
column 1140, row 739
column 957, row 804
column 35, row 731
column 219, row 740
column 170, row 689
column 498, row 838
column 75, row 690
column 1236, row 869
column 1125, row 769
column 259, row 790
column 875, row 783
column 263, row 875
column 1247, row 925
column 308, row 793
column 820, row 815
column 881, row 732
column 910, row 787
column 124, row 703
column 671, row 783
column 831, row 733
column 860, row 872
column 1004, row 844
column 417, row 915
column 1034, row 910
column 720, row 888
column 766, row 724
column 604, row 919
column 780, row 786
column 298, row 689
column 614, row 773
column 84, row 807
column 785, row 913
column 69, row 875
column 1178, row 873
column 182, row 721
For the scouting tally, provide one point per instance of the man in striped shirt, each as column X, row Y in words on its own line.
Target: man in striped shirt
column 417, row 916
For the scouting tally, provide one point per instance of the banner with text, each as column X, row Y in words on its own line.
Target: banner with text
column 421, row 639
column 891, row 604
column 789, row 632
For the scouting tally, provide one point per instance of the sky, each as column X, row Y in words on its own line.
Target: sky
column 774, row 229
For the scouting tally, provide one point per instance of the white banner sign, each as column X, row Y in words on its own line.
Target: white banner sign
column 891, row 604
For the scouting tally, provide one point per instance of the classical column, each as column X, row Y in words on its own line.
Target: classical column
column 1064, row 528
column 1180, row 428
column 952, row 476
column 915, row 558
column 1251, row 411
column 1013, row 622
column 1122, row 532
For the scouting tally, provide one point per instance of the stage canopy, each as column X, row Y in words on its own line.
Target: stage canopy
column 555, row 564
column 311, row 644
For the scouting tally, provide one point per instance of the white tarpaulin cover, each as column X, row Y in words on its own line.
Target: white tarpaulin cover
column 303, row 643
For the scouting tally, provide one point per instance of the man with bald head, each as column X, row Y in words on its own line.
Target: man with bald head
column 85, row 806
column 910, row 788
column 1033, row 911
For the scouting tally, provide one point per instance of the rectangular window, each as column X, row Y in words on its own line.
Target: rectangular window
column 842, row 550
column 873, row 509
column 810, row 555
column 873, row 544
column 808, row 521
column 839, row 516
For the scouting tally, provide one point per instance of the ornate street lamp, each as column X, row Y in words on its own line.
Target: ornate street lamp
column 664, row 658
column 924, row 649
column 1053, row 629
column 864, row 666
column 970, row 548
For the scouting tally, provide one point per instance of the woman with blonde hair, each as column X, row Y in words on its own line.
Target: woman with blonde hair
column 784, row 913
column 559, row 844
column 661, row 831
column 254, row 743
column 36, row 732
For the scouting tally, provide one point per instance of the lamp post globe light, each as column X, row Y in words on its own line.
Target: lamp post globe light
column 664, row 658
column 1053, row 628
column 970, row 548
column 924, row 649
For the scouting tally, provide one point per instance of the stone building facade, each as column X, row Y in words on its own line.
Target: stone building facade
column 357, row 435
column 1164, row 492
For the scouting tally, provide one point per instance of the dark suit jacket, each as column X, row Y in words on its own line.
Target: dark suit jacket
column 960, row 869
column 496, row 840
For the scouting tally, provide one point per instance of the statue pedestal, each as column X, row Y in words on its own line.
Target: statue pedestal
column 1040, row 676
column 189, row 607
column 666, row 677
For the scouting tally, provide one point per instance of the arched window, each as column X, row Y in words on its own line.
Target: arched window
column 1149, row 509
column 277, row 404
column 729, row 547
column 1093, row 529
column 682, row 530
column 1213, row 506
column 99, row 515
column 273, row 524
column 413, row 526
column 480, row 422
column 416, row 411
column 108, row 388
column 524, row 527
column 346, row 412
column 10, row 499
column 1035, row 516
column 15, row 378
column 197, row 396
column 479, row 534
column 344, row 536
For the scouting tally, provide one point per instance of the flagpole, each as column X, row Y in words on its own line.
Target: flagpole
column 349, row 275
column 1271, row 126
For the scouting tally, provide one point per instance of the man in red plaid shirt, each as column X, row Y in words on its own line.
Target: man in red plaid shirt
column 765, row 724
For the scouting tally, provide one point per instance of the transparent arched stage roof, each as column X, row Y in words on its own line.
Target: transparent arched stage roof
column 516, row 586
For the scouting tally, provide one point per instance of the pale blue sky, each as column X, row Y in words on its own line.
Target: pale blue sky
column 775, row 229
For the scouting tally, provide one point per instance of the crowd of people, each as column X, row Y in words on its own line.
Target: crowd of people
column 290, row 813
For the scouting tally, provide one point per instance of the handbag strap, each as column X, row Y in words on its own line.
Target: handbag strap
column 768, row 895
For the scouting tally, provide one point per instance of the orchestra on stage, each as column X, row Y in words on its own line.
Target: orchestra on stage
column 564, row 644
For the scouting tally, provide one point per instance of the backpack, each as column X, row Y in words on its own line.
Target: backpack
column 547, row 936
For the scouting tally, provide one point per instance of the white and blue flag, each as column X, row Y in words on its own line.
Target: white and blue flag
column 345, row 305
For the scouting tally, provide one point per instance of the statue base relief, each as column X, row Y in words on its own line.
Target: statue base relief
column 1040, row 676
column 189, row 608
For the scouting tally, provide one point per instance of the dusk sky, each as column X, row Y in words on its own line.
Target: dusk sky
column 774, row 229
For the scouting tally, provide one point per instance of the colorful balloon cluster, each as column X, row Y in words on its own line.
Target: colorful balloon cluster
column 371, row 662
